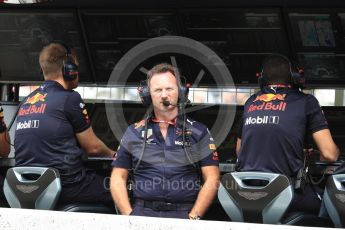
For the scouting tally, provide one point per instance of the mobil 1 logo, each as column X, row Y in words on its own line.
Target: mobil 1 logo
column 262, row 120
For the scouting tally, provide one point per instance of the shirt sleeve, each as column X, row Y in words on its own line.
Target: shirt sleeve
column 123, row 158
column 207, row 149
column 76, row 112
column 315, row 118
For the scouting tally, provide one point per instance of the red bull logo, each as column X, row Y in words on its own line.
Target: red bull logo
column 215, row 156
column 86, row 116
column 267, row 104
column 33, row 109
column 139, row 124
column 270, row 97
column 188, row 132
column 36, row 98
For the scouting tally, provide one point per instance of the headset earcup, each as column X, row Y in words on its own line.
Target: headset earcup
column 144, row 94
column 70, row 71
column 261, row 80
column 297, row 79
column 183, row 93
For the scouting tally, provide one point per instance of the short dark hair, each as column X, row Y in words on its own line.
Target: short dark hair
column 277, row 69
column 52, row 56
column 163, row 68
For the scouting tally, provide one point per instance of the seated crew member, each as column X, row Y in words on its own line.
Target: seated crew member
column 53, row 129
column 5, row 149
column 274, row 126
column 166, row 183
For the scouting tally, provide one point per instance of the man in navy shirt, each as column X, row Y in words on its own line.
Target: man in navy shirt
column 166, row 179
column 275, row 123
column 53, row 129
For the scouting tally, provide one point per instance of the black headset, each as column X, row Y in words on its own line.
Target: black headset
column 297, row 75
column 69, row 68
column 145, row 96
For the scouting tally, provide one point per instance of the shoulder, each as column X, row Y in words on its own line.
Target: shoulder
column 310, row 99
column 72, row 93
column 139, row 125
column 57, row 92
column 252, row 98
column 133, row 132
column 72, row 97
column 196, row 127
column 312, row 103
column 135, row 128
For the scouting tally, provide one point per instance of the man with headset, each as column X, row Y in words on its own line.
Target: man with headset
column 53, row 129
column 166, row 154
column 275, row 123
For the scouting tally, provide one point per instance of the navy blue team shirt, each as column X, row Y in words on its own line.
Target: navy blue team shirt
column 165, row 173
column 273, row 129
column 45, row 131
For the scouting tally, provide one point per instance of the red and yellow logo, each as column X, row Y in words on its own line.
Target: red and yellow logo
column 86, row 116
column 267, row 102
column 215, row 156
column 139, row 124
column 270, row 97
column 33, row 108
column 36, row 98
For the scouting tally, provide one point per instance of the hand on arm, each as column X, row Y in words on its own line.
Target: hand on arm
column 324, row 141
column 208, row 191
column 118, row 188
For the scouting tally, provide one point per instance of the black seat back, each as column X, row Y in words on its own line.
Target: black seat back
column 334, row 198
column 32, row 187
column 255, row 197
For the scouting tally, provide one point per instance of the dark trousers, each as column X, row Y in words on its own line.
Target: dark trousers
column 94, row 188
column 142, row 211
column 161, row 209
column 306, row 202
column 3, row 202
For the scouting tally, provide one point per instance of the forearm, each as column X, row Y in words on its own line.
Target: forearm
column 328, row 149
column 101, row 150
column 331, row 155
column 238, row 146
column 205, row 196
column 118, row 187
column 5, row 147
